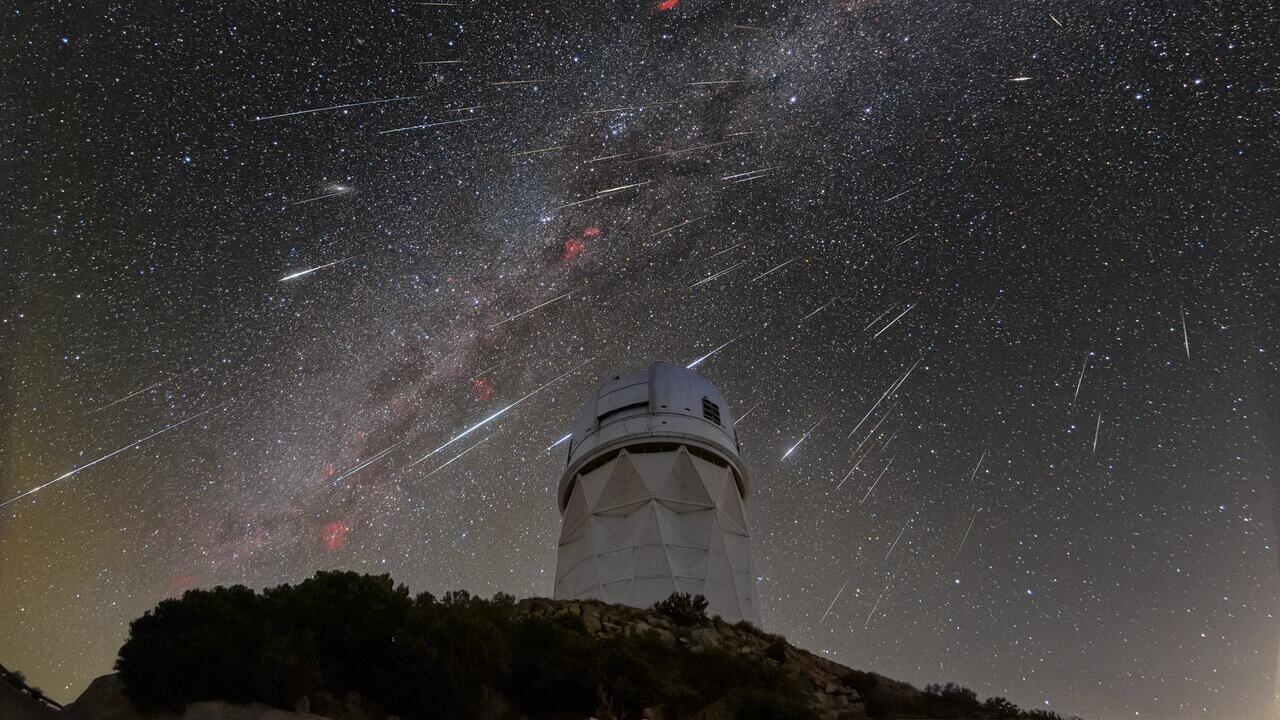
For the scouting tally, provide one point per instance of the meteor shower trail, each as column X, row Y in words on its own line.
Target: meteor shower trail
column 335, row 107
column 108, row 456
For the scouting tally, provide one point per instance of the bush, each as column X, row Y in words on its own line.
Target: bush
column 554, row 671
column 683, row 609
column 463, row 657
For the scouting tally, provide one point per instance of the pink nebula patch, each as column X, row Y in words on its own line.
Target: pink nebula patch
column 334, row 535
column 481, row 389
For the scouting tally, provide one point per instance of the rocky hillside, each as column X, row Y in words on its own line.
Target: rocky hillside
column 825, row 681
column 829, row 684
column 350, row 647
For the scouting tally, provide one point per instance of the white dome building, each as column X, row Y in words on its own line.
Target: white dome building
column 653, row 495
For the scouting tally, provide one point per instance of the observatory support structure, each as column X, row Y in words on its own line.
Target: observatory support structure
column 652, row 497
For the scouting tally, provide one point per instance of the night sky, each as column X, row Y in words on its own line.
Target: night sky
column 1007, row 272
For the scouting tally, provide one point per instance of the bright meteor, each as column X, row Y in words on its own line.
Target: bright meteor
column 108, row 456
column 501, row 412
column 308, row 271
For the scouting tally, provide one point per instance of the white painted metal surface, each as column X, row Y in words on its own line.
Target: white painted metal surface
column 653, row 496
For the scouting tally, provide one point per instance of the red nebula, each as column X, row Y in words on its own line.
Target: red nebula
column 591, row 232
column 573, row 248
column 179, row 584
column 666, row 5
column 481, row 389
column 334, row 535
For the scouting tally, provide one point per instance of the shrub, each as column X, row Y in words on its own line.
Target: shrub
column 463, row 657
column 554, row 671
column 777, row 650
column 683, row 609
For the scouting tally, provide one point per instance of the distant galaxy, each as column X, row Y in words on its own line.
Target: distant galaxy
column 991, row 288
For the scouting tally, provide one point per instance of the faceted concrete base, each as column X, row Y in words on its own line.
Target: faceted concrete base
column 649, row 523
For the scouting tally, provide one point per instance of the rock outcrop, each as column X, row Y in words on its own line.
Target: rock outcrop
column 17, row 705
column 19, row 702
column 826, row 681
column 105, row 699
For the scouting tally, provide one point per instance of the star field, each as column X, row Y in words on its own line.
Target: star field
column 990, row 286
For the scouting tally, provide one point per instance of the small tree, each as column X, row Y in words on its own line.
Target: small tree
column 683, row 609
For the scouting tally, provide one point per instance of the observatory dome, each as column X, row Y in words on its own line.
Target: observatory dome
column 652, row 496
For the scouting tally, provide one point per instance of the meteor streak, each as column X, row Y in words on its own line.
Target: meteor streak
column 678, row 225
column 1080, row 379
column 850, row 473
column 684, row 150
column 1186, row 342
column 535, row 307
column 561, row 441
column 872, row 434
column 539, row 151
column 748, row 412
column 698, row 362
column 1096, row 428
column 336, row 107
column 966, row 531
column 833, row 602
column 974, row 474
column 623, row 187
column 895, row 541
column 362, row 465
column 749, row 172
column 108, row 456
column 338, row 190
column 802, row 438
column 721, row 252
column 425, row 125
column 888, row 390
column 775, row 269
column 882, row 594
column 1023, row 78
column 607, row 157
column 603, row 194
column 877, row 319
column 501, row 412
column 820, row 309
column 633, row 107
column 716, row 275
column 877, row 482
column 895, row 197
column 886, row 327
column 308, row 271
column 126, row 397
column 457, row 457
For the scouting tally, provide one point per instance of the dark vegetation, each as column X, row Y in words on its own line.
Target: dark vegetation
column 426, row 657
column 464, row 657
column 892, row 700
column 683, row 609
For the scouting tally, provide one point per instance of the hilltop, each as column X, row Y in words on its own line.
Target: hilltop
column 345, row 646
